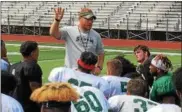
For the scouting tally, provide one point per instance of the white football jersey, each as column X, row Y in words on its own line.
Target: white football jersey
column 130, row 103
column 165, row 108
column 9, row 104
column 118, row 85
column 62, row 74
column 91, row 100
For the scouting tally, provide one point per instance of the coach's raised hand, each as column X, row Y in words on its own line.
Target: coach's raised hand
column 59, row 12
column 54, row 29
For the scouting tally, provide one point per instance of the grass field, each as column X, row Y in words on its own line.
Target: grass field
column 51, row 56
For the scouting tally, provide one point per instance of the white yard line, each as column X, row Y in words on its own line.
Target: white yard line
column 51, row 60
column 108, row 50
column 13, row 53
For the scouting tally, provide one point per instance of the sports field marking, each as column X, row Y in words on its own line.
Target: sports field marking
column 108, row 50
column 17, row 53
column 13, row 53
column 50, row 60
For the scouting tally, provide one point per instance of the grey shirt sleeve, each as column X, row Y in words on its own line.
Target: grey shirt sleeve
column 64, row 33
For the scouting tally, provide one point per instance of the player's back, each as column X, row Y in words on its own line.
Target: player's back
column 165, row 108
column 62, row 74
column 91, row 100
column 130, row 103
column 9, row 104
column 118, row 85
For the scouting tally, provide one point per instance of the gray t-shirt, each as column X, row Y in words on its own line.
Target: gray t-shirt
column 77, row 42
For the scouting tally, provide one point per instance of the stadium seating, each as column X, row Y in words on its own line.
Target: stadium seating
column 154, row 16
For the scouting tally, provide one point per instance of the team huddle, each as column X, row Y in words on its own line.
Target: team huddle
column 79, row 86
column 120, row 93
column 122, row 89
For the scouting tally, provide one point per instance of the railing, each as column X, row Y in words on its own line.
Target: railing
column 139, row 26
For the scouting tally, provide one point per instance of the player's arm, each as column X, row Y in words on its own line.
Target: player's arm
column 100, row 53
column 100, row 61
column 34, row 85
column 54, row 29
column 153, row 95
column 35, row 77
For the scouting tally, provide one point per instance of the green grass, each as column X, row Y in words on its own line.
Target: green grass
column 50, row 58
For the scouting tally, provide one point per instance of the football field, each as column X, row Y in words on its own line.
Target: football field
column 52, row 55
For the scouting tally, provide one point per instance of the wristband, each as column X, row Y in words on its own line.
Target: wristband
column 57, row 20
column 99, row 67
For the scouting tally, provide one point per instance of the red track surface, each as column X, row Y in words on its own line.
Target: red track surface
column 107, row 42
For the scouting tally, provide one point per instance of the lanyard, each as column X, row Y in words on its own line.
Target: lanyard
column 87, row 38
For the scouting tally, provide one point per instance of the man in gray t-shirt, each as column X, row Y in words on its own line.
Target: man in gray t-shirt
column 79, row 38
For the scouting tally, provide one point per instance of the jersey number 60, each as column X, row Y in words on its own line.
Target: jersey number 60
column 91, row 103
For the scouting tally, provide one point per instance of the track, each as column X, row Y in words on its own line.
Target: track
column 107, row 42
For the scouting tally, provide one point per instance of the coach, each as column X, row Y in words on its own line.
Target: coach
column 79, row 38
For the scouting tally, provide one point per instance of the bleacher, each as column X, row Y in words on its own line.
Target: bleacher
column 155, row 15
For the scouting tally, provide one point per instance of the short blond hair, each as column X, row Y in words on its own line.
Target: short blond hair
column 137, row 87
column 59, row 92
column 115, row 66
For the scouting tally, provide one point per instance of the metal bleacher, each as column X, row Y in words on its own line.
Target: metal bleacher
column 123, row 15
